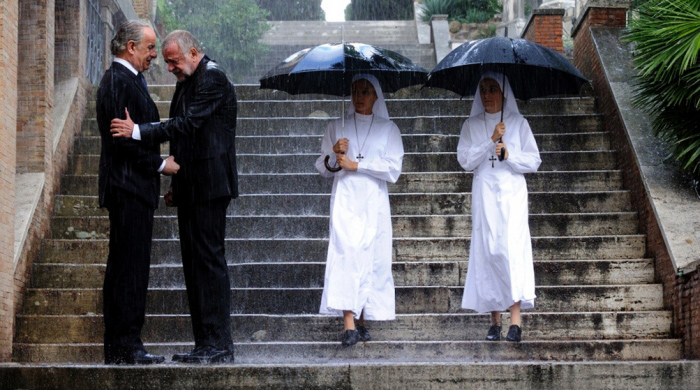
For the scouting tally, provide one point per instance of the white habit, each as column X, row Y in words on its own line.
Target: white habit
column 358, row 267
column 500, row 271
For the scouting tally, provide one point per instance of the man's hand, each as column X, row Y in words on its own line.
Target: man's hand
column 345, row 162
column 122, row 127
column 171, row 167
column 168, row 197
column 498, row 131
column 341, row 147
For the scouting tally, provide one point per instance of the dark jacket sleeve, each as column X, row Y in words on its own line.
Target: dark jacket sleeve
column 209, row 94
column 146, row 161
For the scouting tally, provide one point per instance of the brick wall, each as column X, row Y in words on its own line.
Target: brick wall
column 8, row 123
column 545, row 28
column 678, row 291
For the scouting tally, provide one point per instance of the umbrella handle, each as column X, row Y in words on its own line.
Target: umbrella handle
column 502, row 156
column 330, row 168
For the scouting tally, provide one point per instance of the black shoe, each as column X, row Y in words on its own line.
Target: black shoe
column 363, row 334
column 514, row 333
column 136, row 357
column 205, row 355
column 494, row 333
column 351, row 337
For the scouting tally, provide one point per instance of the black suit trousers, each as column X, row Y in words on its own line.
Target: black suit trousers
column 126, row 277
column 202, row 234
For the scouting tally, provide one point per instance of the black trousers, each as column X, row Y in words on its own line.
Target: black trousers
column 126, row 277
column 202, row 233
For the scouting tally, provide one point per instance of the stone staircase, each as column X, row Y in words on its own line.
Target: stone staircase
column 398, row 36
column 598, row 306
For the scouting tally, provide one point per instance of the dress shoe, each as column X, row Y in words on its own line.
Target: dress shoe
column 363, row 334
column 351, row 337
column 205, row 355
column 494, row 333
column 136, row 357
column 514, row 333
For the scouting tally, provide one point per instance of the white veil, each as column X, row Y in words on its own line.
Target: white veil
column 379, row 108
column 509, row 105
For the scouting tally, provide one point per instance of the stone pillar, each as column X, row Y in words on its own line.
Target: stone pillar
column 545, row 28
column 440, row 36
column 9, row 27
column 513, row 19
column 595, row 13
column 145, row 9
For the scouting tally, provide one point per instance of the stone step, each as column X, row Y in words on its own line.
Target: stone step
column 409, row 182
column 330, row 353
column 81, row 329
column 412, row 162
column 533, row 372
column 310, row 274
column 296, row 226
column 396, row 107
column 285, row 144
column 409, row 299
column 401, row 204
column 167, row 251
column 441, row 126
column 319, row 32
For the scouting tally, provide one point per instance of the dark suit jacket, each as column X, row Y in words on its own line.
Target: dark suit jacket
column 201, row 131
column 126, row 163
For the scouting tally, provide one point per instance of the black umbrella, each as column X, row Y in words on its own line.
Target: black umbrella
column 533, row 70
column 328, row 69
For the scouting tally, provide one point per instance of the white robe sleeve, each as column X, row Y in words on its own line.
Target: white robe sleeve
column 388, row 166
column 469, row 154
column 527, row 159
column 327, row 150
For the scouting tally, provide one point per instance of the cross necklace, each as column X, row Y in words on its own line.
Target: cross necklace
column 486, row 126
column 357, row 137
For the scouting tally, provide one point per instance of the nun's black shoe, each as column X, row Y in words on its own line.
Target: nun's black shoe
column 363, row 333
column 514, row 333
column 351, row 337
column 494, row 333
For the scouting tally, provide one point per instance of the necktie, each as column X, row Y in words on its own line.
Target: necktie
column 143, row 81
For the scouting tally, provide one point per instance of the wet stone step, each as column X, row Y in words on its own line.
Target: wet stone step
column 306, row 275
column 409, row 182
column 409, row 300
column 167, row 251
column 446, row 125
column 304, row 144
column 383, row 352
column 403, row 226
column 401, row 204
column 412, row 162
column 407, row 327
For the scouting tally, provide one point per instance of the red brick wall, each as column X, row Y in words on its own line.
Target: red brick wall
column 8, row 124
column 545, row 28
column 678, row 291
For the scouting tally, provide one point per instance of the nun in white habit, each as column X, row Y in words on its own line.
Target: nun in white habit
column 358, row 282
column 500, row 274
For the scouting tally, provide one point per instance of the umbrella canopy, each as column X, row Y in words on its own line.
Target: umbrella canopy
column 533, row 70
column 329, row 68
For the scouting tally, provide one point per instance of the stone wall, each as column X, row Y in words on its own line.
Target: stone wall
column 679, row 291
column 9, row 16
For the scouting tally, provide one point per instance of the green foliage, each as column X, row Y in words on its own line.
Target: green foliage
column 379, row 10
column 293, row 9
column 667, row 37
column 466, row 11
column 229, row 30
column 488, row 32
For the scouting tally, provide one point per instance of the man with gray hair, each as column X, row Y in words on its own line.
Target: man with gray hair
column 201, row 131
column 129, row 187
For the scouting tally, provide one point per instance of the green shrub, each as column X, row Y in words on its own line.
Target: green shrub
column 293, row 9
column 229, row 30
column 379, row 10
column 466, row 11
column 667, row 37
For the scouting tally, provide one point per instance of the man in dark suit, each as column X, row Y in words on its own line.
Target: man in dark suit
column 201, row 131
column 129, row 186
